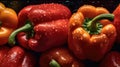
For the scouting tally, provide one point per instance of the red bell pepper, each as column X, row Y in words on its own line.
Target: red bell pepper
column 59, row 57
column 47, row 27
column 116, row 22
column 88, row 37
column 16, row 57
column 112, row 59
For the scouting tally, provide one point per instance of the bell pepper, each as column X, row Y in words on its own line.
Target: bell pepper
column 16, row 57
column 8, row 22
column 112, row 59
column 91, row 34
column 46, row 27
column 59, row 57
column 117, row 22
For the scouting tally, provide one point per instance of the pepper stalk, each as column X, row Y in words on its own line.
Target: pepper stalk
column 54, row 63
column 27, row 27
column 93, row 26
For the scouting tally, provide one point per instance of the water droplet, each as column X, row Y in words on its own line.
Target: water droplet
column 56, row 30
column 53, row 27
column 36, row 29
column 73, row 37
column 94, row 41
column 73, row 24
column 105, row 41
column 46, row 34
column 81, row 38
column 44, row 29
column 44, row 14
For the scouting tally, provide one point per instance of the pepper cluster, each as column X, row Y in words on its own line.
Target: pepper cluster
column 51, row 35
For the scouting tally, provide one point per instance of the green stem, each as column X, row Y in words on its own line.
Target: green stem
column 103, row 16
column 93, row 25
column 26, row 27
column 54, row 63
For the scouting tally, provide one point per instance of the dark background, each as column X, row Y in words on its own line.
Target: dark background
column 72, row 4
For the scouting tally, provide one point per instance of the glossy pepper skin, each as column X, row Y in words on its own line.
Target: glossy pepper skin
column 16, row 57
column 8, row 22
column 117, row 22
column 49, row 22
column 59, row 57
column 92, row 39
column 112, row 59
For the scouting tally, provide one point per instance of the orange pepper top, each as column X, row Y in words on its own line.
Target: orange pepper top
column 90, row 11
column 8, row 22
column 87, row 11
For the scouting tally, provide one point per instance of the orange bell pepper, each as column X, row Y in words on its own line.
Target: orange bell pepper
column 89, row 37
column 8, row 22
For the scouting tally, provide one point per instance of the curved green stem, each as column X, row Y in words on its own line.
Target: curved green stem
column 93, row 26
column 26, row 27
column 103, row 16
column 54, row 63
